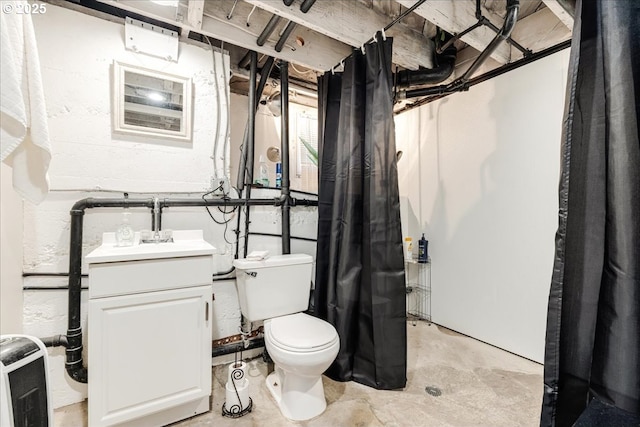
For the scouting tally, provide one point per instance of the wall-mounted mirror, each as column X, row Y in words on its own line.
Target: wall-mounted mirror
column 151, row 103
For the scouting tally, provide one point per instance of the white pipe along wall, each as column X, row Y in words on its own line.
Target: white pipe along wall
column 486, row 163
column 77, row 52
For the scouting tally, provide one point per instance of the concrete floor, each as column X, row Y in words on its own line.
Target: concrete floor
column 480, row 385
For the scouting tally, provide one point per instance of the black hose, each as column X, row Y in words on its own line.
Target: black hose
column 285, row 35
column 306, row 5
column 268, row 29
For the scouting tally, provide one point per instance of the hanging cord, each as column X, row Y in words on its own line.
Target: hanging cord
column 225, row 149
column 230, row 15
column 217, row 89
column 225, row 220
column 249, row 16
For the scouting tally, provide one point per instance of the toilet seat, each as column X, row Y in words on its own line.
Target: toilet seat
column 301, row 333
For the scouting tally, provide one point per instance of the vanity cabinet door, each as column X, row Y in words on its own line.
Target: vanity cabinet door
column 148, row 352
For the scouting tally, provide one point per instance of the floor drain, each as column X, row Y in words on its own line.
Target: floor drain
column 433, row 391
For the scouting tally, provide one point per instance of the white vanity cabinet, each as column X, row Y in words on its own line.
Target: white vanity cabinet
column 149, row 331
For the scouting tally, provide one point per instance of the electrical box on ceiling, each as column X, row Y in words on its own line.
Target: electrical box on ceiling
column 151, row 39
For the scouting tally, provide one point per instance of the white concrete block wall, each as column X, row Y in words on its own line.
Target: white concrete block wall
column 76, row 54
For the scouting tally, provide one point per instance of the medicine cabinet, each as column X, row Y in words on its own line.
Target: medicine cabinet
column 151, row 103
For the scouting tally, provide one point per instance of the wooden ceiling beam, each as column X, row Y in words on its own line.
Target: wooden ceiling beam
column 539, row 31
column 455, row 16
column 195, row 14
column 315, row 51
column 353, row 23
column 564, row 16
column 319, row 52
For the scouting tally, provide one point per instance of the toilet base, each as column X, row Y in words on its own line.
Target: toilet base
column 299, row 398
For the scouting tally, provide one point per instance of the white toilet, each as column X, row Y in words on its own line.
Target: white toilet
column 302, row 347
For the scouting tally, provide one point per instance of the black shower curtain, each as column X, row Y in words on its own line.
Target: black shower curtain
column 592, row 357
column 360, row 286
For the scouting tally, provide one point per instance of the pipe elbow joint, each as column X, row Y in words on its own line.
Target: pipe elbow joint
column 78, row 374
column 79, row 207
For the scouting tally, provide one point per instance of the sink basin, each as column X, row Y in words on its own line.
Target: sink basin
column 185, row 243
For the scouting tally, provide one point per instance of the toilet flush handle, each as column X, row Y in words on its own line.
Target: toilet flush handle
column 251, row 273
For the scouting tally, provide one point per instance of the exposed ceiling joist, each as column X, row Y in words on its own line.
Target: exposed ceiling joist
column 556, row 7
column 195, row 14
column 353, row 23
column 540, row 30
column 457, row 16
column 318, row 51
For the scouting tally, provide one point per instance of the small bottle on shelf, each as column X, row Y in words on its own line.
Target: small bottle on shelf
column 423, row 250
column 278, row 175
column 263, row 173
column 408, row 249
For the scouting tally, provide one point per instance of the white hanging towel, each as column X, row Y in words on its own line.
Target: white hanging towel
column 24, row 135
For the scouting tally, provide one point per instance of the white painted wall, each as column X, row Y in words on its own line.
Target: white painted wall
column 10, row 255
column 76, row 54
column 479, row 177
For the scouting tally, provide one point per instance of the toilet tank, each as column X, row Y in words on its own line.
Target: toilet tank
column 276, row 286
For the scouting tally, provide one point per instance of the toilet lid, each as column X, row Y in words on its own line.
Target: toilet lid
column 301, row 332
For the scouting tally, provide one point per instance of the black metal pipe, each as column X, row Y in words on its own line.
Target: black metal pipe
column 306, row 239
column 306, row 5
column 55, row 341
column 268, row 29
column 236, row 347
column 220, row 202
column 484, row 77
column 285, row 35
column 288, row 2
column 284, row 149
column 251, row 143
column 265, row 73
column 48, row 275
column 74, row 363
column 244, row 62
column 511, row 41
column 461, row 84
column 455, row 37
column 446, row 64
column 513, row 6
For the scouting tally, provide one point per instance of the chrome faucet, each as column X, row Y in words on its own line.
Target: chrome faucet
column 157, row 236
column 156, row 219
